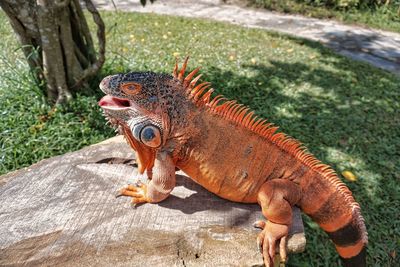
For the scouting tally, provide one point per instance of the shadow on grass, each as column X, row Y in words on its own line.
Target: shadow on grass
column 349, row 119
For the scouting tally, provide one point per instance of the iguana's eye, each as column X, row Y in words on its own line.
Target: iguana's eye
column 150, row 136
column 131, row 88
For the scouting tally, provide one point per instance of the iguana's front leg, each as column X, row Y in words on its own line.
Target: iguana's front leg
column 159, row 187
column 276, row 198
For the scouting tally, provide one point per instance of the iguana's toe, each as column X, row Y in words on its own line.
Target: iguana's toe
column 259, row 224
column 272, row 236
column 137, row 192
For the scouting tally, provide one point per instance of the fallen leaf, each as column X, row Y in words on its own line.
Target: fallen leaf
column 349, row 176
column 393, row 254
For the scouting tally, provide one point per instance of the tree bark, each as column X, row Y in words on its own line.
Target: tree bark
column 22, row 17
column 57, row 43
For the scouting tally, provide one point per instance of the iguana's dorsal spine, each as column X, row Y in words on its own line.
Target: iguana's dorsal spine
column 240, row 114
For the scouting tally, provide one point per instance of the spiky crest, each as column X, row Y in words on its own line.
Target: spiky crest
column 242, row 115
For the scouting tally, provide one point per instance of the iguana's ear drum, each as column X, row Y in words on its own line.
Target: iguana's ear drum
column 148, row 134
column 131, row 88
column 151, row 136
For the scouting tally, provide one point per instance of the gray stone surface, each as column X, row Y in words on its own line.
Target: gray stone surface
column 62, row 212
column 379, row 48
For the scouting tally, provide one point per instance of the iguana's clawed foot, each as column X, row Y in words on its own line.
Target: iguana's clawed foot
column 273, row 234
column 137, row 192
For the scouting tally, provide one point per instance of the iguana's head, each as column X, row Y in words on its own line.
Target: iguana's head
column 150, row 109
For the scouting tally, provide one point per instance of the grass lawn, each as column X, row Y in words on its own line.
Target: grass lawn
column 346, row 112
column 384, row 17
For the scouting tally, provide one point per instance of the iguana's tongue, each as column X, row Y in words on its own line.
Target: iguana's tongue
column 145, row 156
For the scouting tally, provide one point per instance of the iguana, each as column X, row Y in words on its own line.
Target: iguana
column 172, row 121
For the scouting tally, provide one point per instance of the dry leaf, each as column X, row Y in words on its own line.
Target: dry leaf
column 393, row 254
column 349, row 176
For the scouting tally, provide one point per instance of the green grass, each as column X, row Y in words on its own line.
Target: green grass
column 383, row 17
column 346, row 112
column 30, row 129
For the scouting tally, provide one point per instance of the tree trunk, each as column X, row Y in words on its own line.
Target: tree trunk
column 57, row 43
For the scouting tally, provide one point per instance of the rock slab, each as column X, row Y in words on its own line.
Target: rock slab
column 62, row 212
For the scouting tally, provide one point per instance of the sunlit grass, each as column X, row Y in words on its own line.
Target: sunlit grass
column 346, row 112
column 384, row 17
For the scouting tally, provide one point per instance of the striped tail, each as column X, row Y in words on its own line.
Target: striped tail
column 331, row 205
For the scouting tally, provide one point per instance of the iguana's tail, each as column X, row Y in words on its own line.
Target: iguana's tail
column 330, row 204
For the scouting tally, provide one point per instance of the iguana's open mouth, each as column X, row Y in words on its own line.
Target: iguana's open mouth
column 112, row 102
column 145, row 155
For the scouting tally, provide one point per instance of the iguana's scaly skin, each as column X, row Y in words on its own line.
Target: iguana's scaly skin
column 170, row 121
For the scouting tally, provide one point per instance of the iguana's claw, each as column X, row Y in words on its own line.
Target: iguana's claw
column 137, row 192
column 259, row 244
column 267, row 240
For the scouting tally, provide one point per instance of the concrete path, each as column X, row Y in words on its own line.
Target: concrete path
column 379, row 48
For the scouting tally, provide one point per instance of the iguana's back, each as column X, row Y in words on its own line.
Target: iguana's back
column 233, row 161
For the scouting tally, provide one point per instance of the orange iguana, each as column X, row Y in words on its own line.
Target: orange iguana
column 171, row 121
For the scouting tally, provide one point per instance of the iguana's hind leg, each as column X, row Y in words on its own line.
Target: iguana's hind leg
column 276, row 198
